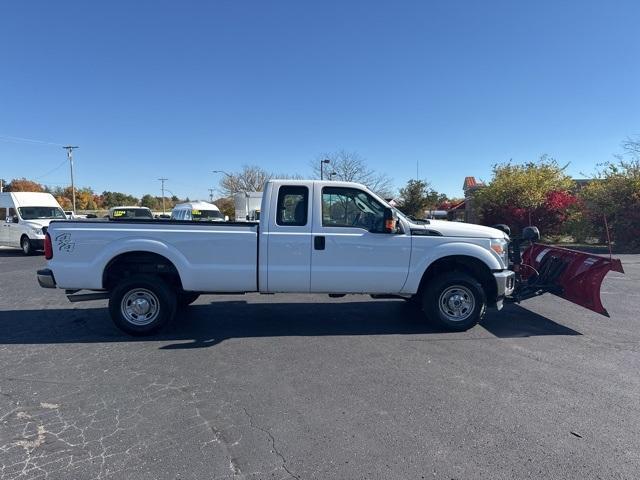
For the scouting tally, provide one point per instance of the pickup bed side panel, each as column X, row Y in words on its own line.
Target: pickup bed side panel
column 425, row 250
column 209, row 258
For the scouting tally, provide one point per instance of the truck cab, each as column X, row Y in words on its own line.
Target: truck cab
column 25, row 217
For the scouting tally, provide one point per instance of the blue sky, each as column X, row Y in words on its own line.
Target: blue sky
column 177, row 89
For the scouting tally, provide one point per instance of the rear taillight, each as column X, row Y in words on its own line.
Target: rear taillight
column 48, row 251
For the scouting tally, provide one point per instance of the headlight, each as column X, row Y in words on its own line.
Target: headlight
column 37, row 231
column 501, row 247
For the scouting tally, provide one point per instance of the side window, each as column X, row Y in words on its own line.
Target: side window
column 293, row 203
column 349, row 207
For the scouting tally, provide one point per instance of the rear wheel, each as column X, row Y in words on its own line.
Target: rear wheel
column 455, row 301
column 26, row 246
column 142, row 304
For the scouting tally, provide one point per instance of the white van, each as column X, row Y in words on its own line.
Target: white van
column 26, row 218
column 197, row 211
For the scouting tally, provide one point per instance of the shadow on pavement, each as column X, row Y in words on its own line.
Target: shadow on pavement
column 16, row 252
column 208, row 325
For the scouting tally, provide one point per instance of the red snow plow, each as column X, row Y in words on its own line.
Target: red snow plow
column 570, row 274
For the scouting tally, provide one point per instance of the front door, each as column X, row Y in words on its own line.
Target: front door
column 351, row 253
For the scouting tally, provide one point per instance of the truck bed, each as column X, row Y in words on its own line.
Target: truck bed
column 211, row 256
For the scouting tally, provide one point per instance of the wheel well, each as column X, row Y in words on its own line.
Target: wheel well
column 463, row 263
column 131, row 263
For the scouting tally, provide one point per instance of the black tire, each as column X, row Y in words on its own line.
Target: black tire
column 134, row 320
column 455, row 301
column 187, row 298
column 25, row 245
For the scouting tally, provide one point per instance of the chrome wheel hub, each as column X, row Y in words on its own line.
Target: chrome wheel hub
column 140, row 306
column 456, row 303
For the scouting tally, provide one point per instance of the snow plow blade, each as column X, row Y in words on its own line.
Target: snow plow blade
column 570, row 274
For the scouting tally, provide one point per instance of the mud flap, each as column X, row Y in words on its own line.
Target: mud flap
column 572, row 275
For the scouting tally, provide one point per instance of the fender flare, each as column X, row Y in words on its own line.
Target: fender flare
column 444, row 250
column 128, row 245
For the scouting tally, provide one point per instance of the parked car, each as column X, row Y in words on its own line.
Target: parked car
column 197, row 211
column 314, row 237
column 74, row 216
column 26, row 218
column 121, row 213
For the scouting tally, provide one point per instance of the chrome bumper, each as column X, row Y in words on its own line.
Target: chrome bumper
column 505, row 283
column 45, row 278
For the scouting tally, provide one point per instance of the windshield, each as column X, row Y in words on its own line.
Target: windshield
column 131, row 213
column 37, row 213
column 206, row 215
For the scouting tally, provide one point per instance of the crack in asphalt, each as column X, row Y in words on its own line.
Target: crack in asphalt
column 273, row 443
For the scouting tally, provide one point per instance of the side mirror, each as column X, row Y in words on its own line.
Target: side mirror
column 531, row 234
column 226, row 218
column 16, row 219
column 390, row 221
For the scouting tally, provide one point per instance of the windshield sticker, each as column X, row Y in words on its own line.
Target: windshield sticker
column 119, row 213
column 196, row 212
column 64, row 243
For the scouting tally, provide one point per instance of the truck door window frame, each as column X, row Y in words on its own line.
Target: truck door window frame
column 326, row 216
column 300, row 206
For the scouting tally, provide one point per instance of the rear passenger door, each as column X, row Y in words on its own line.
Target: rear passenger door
column 289, row 245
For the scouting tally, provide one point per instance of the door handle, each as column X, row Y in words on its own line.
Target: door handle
column 319, row 243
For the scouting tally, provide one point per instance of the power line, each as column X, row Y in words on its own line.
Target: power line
column 51, row 171
column 9, row 138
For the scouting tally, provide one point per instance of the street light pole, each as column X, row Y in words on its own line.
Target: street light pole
column 322, row 162
column 69, row 150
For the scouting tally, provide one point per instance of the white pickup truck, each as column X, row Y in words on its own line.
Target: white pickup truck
column 314, row 237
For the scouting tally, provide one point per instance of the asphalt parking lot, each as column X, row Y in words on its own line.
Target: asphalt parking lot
column 309, row 387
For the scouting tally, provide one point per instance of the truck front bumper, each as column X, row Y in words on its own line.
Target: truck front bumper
column 46, row 279
column 505, row 284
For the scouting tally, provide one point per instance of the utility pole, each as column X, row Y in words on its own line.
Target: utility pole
column 163, row 180
column 70, row 150
column 211, row 190
column 1, row 186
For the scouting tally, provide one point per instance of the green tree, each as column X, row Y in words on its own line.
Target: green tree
column 226, row 206
column 418, row 196
column 115, row 199
column 531, row 193
column 615, row 197
column 149, row 201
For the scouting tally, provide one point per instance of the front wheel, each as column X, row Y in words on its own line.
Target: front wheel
column 142, row 305
column 26, row 246
column 455, row 301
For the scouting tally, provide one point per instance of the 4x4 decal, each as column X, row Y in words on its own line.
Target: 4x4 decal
column 64, row 242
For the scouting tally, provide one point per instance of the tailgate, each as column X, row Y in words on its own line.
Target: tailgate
column 570, row 274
